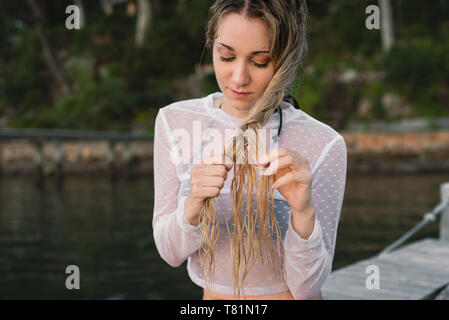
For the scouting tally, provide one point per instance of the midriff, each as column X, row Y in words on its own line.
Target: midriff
column 286, row 295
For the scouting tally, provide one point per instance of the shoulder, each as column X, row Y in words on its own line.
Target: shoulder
column 182, row 114
column 183, row 107
column 312, row 128
column 312, row 138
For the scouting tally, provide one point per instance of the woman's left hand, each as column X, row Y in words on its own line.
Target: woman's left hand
column 292, row 176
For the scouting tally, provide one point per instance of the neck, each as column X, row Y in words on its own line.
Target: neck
column 233, row 111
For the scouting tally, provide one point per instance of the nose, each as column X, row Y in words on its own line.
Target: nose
column 240, row 75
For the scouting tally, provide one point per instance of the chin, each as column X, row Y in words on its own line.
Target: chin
column 242, row 106
column 240, row 103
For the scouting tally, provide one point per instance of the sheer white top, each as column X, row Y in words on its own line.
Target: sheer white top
column 307, row 262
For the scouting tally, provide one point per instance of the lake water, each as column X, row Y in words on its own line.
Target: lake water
column 104, row 228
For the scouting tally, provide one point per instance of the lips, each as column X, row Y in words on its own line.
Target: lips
column 239, row 94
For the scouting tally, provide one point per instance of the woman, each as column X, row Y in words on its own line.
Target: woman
column 281, row 245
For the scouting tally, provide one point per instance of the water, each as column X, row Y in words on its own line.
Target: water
column 105, row 229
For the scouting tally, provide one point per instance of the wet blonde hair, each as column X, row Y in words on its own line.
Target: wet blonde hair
column 286, row 21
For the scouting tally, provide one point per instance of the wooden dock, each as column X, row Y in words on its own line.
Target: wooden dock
column 412, row 272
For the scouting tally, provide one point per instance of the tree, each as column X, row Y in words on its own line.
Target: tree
column 386, row 24
column 79, row 4
column 143, row 20
column 50, row 59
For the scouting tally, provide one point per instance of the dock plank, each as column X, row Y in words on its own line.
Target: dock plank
column 413, row 271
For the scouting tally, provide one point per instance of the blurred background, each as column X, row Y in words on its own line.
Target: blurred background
column 77, row 111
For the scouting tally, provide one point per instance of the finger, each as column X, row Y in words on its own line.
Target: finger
column 212, row 170
column 303, row 177
column 220, row 159
column 272, row 155
column 278, row 164
column 300, row 160
column 227, row 162
column 211, row 181
column 210, row 191
column 285, row 179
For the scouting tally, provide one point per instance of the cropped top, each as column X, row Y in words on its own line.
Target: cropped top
column 187, row 129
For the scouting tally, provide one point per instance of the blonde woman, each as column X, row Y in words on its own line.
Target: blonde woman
column 252, row 223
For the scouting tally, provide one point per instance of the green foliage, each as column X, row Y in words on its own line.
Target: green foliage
column 210, row 84
column 414, row 62
column 424, row 66
column 350, row 34
column 23, row 84
column 117, row 85
column 102, row 105
column 308, row 90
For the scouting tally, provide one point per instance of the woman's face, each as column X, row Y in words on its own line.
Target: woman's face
column 242, row 61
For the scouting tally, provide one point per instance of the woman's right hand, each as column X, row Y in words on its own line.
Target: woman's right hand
column 206, row 180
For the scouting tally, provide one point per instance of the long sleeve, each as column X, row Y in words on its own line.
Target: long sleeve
column 308, row 262
column 175, row 238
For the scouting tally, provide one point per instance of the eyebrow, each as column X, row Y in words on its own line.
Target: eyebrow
column 252, row 53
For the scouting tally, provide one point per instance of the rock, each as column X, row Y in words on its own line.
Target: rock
column 349, row 75
column 364, row 108
column 395, row 105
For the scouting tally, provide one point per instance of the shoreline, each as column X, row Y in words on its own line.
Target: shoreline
column 367, row 153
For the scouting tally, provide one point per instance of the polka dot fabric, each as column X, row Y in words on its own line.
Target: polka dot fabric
column 307, row 262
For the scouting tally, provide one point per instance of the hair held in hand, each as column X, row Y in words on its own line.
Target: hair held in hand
column 254, row 231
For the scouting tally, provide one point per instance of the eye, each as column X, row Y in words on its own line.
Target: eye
column 256, row 64
column 260, row 65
